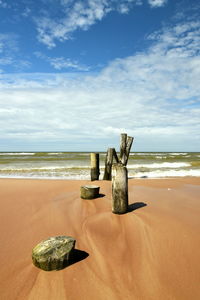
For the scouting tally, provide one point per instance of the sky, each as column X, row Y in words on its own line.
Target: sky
column 76, row 74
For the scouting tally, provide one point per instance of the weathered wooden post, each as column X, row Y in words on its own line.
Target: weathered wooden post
column 119, row 189
column 94, row 166
column 89, row 191
column 129, row 143
column 125, row 147
column 108, row 164
column 53, row 253
column 123, row 138
column 115, row 156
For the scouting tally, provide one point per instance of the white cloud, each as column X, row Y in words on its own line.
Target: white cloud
column 8, row 46
column 8, row 43
column 80, row 15
column 27, row 11
column 60, row 63
column 153, row 95
column 6, row 61
column 9, row 52
column 157, row 3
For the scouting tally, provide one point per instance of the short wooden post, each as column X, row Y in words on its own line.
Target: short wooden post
column 119, row 189
column 53, row 253
column 94, row 166
column 108, row 164
column 89, row 191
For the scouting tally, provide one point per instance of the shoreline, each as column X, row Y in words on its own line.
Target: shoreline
column 73, row 166
column 101, row 180
column 151, row 252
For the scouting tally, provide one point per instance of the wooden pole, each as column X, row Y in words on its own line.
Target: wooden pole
column 115, row 156
column 119, row 189
column 108, row 164
column 129, row 143
column 125, row 147
column 123, row 139
column 94, row 166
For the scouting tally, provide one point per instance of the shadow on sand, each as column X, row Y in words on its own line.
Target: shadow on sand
column 136, row 205
column 76, row 256
column 100, row 196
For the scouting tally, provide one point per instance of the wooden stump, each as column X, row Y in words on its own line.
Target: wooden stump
column 53, row 253
column 94, row 166
column 119, row 189
column 89, row 191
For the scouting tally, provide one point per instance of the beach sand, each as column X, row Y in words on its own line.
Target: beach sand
column 152, row 252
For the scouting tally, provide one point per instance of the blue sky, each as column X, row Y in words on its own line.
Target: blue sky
column 75, row 74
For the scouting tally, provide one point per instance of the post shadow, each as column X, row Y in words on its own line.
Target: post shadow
column 100, row 195
column 75, row 257
column 135, row 206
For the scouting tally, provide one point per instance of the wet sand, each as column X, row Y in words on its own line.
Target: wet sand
column 152, row 252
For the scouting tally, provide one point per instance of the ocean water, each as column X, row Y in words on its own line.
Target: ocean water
column 76, row 165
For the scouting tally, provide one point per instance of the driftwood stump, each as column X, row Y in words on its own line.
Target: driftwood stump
column 119, row 189
column 53, row 253
column 89, row 191
column 94, row 166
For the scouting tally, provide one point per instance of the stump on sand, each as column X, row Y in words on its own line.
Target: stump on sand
column 53, row 253
column 89, row 191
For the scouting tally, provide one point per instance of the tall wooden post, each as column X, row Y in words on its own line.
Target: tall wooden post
column 129, row 143
column 115, row 156
column 123, row 139
column 119, row 189
column 94, row 166
column 125, row 147
column 108, row 164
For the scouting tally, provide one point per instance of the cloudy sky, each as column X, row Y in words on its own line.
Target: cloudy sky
column 75, row 74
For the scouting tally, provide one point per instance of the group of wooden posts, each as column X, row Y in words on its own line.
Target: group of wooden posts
column 57, row 252
column 115, row 170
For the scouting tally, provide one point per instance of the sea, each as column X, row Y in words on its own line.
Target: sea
column 76, row 165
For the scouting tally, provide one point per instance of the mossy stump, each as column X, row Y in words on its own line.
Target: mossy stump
column 89, row 191
column 53, row 253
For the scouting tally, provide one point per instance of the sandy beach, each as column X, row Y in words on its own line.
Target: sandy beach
column 152, row 252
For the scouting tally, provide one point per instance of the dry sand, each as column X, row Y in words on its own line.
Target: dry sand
column 152, row 252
